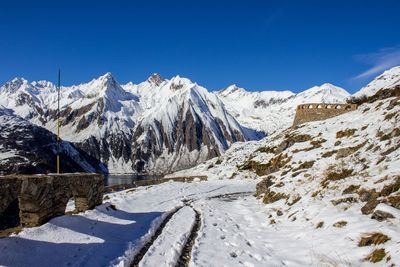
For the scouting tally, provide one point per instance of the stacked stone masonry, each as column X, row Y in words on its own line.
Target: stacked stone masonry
column 319, row 111
column 42, row 197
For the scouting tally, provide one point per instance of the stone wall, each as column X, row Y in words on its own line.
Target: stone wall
column 42, row 197
column 319, row 111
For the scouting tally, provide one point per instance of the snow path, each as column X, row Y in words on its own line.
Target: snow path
column 152, row 238
column 186, row 252
column 235, row 230
column 104, row 236
column 166, row 249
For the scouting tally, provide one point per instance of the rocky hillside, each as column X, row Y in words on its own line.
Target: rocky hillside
column 338, row 179
column 27, row 148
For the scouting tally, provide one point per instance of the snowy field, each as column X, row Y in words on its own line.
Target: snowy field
column 235, row 230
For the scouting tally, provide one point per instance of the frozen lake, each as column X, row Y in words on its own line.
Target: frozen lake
column 122, row 179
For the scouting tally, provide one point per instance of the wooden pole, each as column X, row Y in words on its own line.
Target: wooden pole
column 58, row 123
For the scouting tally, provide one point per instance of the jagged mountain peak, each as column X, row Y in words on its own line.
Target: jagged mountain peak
column 155, row 79
column 231, row 89
column 177, row 83
column 107, row 79
column 103, row 86
column 43, row 84
column 14, row 85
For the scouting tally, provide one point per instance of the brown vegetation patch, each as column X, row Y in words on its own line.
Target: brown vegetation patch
column 345, row 133
column 319, row 225
column 336, row 176
column 298, row 138
column 264, row 185
column 380, row 215
column 296, row 173
column 394, row 201
column 314, row 194
column 347, row 151
column 266, row 150
column 328, row 154
column 271, row 196
column 350, row 189
column 340, row 224
column 338, row 142
column 10, row 231
column 383, row 137
column 376, row 256
column 391, row 188
column 390, row 116
column 380, row 160
column 344, row 200
column 373, row 239
column 273, row 165
column 294, row 200
column 305, row 165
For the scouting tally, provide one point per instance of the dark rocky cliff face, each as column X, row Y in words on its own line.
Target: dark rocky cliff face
column 34, row 149
column 189, row 134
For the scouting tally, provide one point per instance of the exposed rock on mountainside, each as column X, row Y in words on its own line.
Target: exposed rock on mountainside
column 27, row 148
column 156, row 126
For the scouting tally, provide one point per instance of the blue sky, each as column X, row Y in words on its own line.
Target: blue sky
column 256, row 44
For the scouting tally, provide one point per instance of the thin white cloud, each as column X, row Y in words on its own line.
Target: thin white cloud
column 380, row 61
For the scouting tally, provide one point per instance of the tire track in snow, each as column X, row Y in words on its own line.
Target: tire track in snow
column 184, row 258
column 139, row 256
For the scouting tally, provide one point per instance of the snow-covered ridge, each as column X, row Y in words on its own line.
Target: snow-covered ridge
column 388, row 79
column 270, row 111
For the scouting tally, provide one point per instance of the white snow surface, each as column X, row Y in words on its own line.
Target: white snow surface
column 387, row 79
column 166, row 249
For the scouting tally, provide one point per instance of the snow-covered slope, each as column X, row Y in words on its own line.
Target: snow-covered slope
column 337, row 180
column 388, row 79
column 271, row 111
column 156, row 126
column 27, row 148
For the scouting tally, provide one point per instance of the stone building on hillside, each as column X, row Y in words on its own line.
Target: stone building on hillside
column 320, row 111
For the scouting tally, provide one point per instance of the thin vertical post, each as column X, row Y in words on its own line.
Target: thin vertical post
column 58, row 122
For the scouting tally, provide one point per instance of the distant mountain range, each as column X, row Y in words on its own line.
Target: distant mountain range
column 157, row 126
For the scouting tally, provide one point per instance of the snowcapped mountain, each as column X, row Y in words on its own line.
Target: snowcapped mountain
column 27, row 148
column 156, row 126
column 388, row 79
column 162, row 125
column 182, row 124
column 270, row 111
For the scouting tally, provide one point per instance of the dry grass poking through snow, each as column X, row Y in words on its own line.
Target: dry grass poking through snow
column 373, row 239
